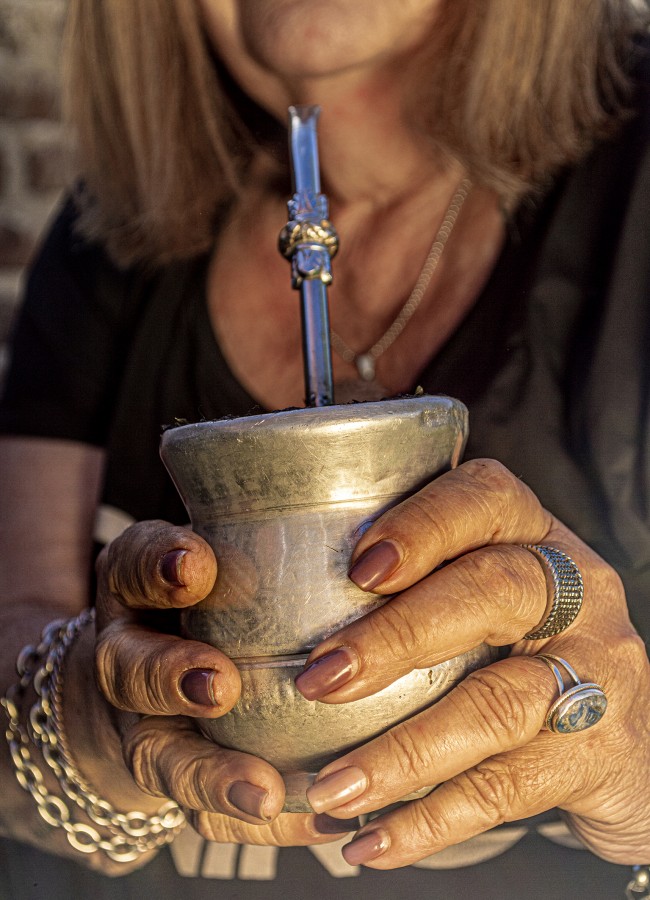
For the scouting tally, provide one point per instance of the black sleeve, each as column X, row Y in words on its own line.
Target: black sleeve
column 68, row 340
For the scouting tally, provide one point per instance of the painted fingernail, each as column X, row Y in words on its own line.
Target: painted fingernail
column 250, row 799
column 375, row 565
column 327, row 673
column 171, row 567
column 365, row 848
column 336, row 789
column 325, row 824
column 198, row 686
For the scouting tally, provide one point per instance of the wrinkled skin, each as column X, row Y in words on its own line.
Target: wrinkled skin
column 483, row 744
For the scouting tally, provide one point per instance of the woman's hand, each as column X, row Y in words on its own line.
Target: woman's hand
column 144, row 575
column 484, row 744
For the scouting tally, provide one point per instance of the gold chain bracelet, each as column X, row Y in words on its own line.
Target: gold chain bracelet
column 130, row 834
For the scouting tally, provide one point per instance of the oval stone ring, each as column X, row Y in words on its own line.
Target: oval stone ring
column 578, row 707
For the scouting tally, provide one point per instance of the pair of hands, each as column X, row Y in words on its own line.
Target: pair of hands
column 482, row 744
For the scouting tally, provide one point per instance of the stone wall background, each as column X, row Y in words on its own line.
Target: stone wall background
column 33, row 147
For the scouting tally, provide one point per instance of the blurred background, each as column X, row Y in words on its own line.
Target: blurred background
column 33, row 150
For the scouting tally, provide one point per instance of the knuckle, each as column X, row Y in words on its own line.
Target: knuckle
column 115, row 678
column 419, row 513
column 495, row 572
column 130, row 567
column 409, row 752
column 127, row 571
column 502, row 489
column 505, row 578
column 633, row 649
column 105, row 653
column 604, row 579
column 491, row 474
column 139, row 746
column 631, row 657
column 429, row 829
column 168, row 756
column 504, row 498
column 156, row 669
column 134, row 677
column 396, row 635
column 495, row 707
column 435, row 828
column 482, row 489
column 514, row 590
column 491, row 791
column 191, row 782
column 132, row 559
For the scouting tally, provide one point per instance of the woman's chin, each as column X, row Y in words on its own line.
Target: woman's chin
column 306, row 53
column 319, row 39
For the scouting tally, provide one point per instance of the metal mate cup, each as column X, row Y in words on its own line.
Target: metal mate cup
column 282, row 498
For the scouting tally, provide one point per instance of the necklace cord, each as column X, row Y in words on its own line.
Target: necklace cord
column 365, row 361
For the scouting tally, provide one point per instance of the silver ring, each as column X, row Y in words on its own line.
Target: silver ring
column 578, row 707
column 565, row 595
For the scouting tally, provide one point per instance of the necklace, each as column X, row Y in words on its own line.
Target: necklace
column 365, row 362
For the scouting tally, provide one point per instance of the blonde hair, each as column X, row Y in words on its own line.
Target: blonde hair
column 522, row 89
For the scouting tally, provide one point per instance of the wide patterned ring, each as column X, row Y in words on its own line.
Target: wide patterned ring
column 566, row 591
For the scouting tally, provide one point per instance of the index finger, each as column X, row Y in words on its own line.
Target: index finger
column 478, row 504
column 155, row 565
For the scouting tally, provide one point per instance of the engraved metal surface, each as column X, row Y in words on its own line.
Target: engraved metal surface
column 283, row 499
column 273, row 720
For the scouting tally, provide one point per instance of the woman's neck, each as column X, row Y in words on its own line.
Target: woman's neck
column 370, row 151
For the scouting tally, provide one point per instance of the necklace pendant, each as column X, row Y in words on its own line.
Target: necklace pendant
column 365, row 366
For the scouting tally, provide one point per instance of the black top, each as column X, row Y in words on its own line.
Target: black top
column 552, row 362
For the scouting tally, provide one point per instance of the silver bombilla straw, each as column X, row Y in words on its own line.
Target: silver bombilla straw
column 309, row 241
